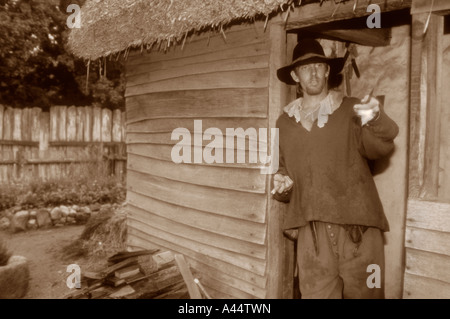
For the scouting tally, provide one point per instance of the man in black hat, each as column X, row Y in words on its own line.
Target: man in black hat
column 325, row 141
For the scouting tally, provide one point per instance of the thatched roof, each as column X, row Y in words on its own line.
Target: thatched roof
column 112, row 26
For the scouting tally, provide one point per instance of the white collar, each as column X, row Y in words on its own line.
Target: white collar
column 327, row 106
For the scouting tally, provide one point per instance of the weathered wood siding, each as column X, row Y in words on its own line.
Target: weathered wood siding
column 214, row 214
column 428, row 215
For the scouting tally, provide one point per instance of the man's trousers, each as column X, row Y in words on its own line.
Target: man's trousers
column 335, row 267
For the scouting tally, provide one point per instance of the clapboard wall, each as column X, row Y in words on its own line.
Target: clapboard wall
column 427, row 239
column 214, row 214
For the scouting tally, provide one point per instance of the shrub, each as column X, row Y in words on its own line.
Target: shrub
column 4, row 253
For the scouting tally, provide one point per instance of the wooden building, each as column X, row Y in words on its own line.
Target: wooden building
column 216, row 62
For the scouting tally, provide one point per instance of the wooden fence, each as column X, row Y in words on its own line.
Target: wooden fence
column 50, row 145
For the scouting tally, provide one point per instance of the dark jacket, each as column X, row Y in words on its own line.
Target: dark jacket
column 332, row 179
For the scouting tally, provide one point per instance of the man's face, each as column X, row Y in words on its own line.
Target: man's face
column 313, row 77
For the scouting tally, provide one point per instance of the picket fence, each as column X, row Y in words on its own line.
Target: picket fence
column 37, row 145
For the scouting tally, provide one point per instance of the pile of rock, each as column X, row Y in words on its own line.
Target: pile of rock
column 18, row 219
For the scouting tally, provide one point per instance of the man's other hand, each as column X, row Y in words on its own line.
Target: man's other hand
column 281, row 183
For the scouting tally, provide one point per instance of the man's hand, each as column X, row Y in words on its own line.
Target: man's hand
column 281, row 183
column 368, row 109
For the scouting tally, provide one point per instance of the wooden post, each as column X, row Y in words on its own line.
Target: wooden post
column 54, row 115
column 425, row 109
column 2, row 167
column 106, row 125
column 72, row 123
column 2, row 110
column 277, row 286
column 81, row 118
column 96, row 124
column 117, row 126
column 44, row 135
column 87, row 136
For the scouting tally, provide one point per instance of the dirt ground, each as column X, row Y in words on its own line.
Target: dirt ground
column 48, row 266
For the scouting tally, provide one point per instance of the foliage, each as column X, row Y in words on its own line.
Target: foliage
column 85, row 184
column 36, row 68
column 4, row 253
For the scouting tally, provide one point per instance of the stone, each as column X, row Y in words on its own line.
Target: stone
column 72, row 212
column 85, row 210
column 94, row 207
column 4, row 223
column 14, row 278
column 71, row 220
column 19, row 221
column 55, row 213
column 75, row 207
column 64, row 211
column 43, row 218
column 33, row 214
column 32, row 224
column 63, row 220
column 16, row 209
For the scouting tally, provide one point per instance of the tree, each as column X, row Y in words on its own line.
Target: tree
column 37, row 70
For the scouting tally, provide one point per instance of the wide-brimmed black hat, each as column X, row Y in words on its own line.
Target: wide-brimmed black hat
column 309, row 51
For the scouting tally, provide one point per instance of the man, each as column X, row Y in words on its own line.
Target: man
column 325, row 141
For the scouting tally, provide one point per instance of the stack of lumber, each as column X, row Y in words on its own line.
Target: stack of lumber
column 147, row 274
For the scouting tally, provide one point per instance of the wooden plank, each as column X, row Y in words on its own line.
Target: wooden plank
column 124, row 125
column 62, row 125
column 205, row 42
column 428, row 240
column 71, row 123
column 8, row 123
column 54, row 123
column 2, row 111
column 167, row 125
column 148, row 63
column 81, row 117
column 418, row 287
column 210, row 282
column 140, row 206
column 96, row 124
column 145, row 241
column 200, row 67
column 245, row 262
column 256, row 78
column 428, row 264
column 240, row 205
column 88, row 123
column 141, row 221
column 328, row 11
column 444, row 162
column 239, row 102
column 431, row 168
column 203, row 139
column 36, row 123
column 163, row 152
column 194, row 291
column 17, row 126
column 277, row 98
column 428, row 215
column 106, row 125
column 425, row 6
column 249, row 288
column 25, row 125
column 19, row 143
column 117, row 125
column 416, row 134
column 240, row 179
